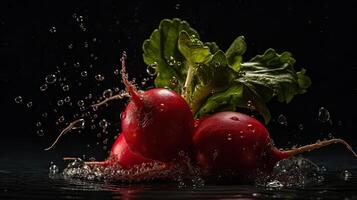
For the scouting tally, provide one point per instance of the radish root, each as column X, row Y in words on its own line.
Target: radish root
column 115, row 97
column 72, row 125
column 318, row 145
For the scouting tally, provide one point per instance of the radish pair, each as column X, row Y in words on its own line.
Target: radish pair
column 158, row 125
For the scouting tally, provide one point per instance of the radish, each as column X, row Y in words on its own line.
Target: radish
column 158, row 123
column 121, row 155
column 231, row 142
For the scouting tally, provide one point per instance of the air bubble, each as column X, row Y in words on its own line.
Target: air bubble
column 324, row 115
column 60, row 102
column 346, row 175
column 99, row 77
column 107, row 93
column 18, row 99
column 151, row 69
column 29, row 104
column 40, row 132
column 80, row 103
column 53, row 29
column 84, row 73
column 50, row 79
column 282, row 120
column 43, row 87
column 67, row 99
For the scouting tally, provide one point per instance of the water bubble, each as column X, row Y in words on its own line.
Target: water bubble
column 70, row 46
column 18, row 99
column 174, row 81
column 177, row 6
column 76, row 64
column 38, row 124
column 92, row 127
column 80, row 103
column 40, row 132
column 275, row 184
column 151, row 69
column 324, row 115
column 250, row 105
column 43, row 87
column 50, row 79
column 282, row 120
column 301, row 127
column 53, row 29
column 116, row 72
column 107, row 93
column 67, row 99
column 94, row 39
column 234, row 118
column 171, row 61
column 29, row 104
column 99, row 77
column 79, row 124
column 84, row 73
column 105, row 141
column 99, row 135
column 44, row 115
column 217, row 64
column 61, row 119
column 60, row 102
column 103, row 124
column 53, row 169
column 346, row 175
column 85, row 44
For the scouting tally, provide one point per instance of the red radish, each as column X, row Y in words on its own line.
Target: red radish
column 158, row 123
column 121, row 154
column 234, row 142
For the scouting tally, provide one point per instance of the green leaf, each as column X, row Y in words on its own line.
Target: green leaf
column 273, row 75
column 235, row 52
column 212, row 77
column 236, row 96
column 192, row 48
column 161, row 50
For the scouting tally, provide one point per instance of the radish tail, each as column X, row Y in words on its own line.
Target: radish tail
column 318, row 145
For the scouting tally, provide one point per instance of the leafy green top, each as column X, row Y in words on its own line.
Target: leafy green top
column 212, row 80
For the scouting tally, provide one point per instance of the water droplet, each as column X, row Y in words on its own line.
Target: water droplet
column 99, row 77
column 346, row 175
column 80, row 103
column 53, row 29
column 50, row 79
column 229, row 137
column 116, row 72
column 324, row 115
column 177, row 6
column 79, row 124
column 18, row 99
column 171, row 61
column 215, row 154
column 40, row 132
column 282, row 120
column 38, row 124
column 105, row 141
column 43, row 87
column 107, row 93
column 65, row 88
column 29, row 104
column 151, row 69
column 61, row 119
column 275, row 184
column 99, row 135
column 67, row 99
column 103, row 124
column 234, row 118
column 70, row 46
column 174, row 81
column 94, row 39
column 53, row 169
column 301, row 127
column 60, row 102
column 44, row 115
column 84, row 73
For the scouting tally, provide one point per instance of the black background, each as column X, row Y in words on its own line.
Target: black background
column 320, row 34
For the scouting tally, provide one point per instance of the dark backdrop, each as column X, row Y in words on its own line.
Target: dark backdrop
column 37, row 37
